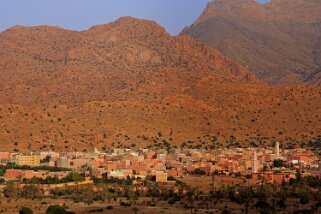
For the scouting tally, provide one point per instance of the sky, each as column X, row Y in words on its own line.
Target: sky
column 174, row 15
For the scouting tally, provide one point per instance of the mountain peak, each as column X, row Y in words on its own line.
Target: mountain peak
column 230, row 8
column 128, row 23
column 285, row 10
column 27, row 32
column 279, row 41
column 116, row 57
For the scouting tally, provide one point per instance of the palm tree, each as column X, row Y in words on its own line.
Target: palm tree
column 135, row 210
column 191, row 196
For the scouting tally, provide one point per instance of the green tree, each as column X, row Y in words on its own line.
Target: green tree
column 135, row 210
column 31, row 192
column 171, row 178
column 304, row 199
column 11, row 190
column 56, row 209
column 278, row 163
column 298, row 176
column 198, row 171
column 25, row 210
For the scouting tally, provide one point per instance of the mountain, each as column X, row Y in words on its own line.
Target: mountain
column 131, row 84
column 278, row 41
column 109, row 62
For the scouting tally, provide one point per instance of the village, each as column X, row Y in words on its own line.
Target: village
column 272, row 165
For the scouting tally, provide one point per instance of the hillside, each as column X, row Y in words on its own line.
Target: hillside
column 228, row 112
column 129, row 83
column 117, row 61
column 278, row 41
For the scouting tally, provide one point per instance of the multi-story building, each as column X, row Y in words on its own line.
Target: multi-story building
column 27, row 160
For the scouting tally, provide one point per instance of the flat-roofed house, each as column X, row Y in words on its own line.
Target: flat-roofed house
column 161, row 176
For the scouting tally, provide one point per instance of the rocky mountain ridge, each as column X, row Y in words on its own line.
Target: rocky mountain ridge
column 107, row 62
column 278, row 41
column 131, row 84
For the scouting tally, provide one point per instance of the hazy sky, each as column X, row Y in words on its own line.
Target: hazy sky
column 81, row 14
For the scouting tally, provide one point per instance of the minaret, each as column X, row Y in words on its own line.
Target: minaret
column 96, row 151
column 254, row 163
column 277, row 149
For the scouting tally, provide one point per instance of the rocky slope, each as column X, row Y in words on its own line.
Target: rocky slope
column 129, row 83
column 278, row 41
column 109, row 62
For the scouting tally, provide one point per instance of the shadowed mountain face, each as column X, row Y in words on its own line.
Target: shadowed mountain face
column 278, row 41
column 123, row 83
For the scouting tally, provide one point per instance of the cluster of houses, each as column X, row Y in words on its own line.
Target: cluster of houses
column 142, row 163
